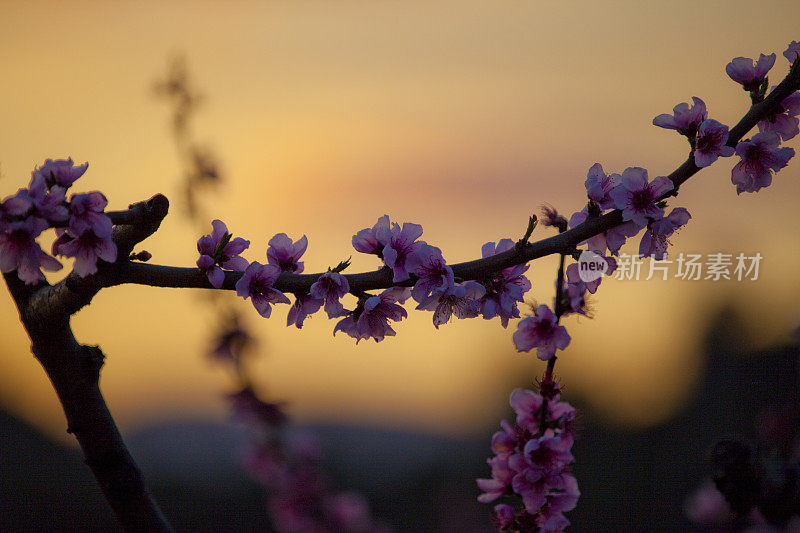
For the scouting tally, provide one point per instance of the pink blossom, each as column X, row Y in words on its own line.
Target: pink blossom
column 598, row 186
column 400, row 244
column 433, row 272
column 500, row 482
column 285, row 254
column 504, row 517
column 366, row 241
column 505, row 288
column 654, row 241
column 86, row 210
column 61, row 172
column 461, row 300
column 371, row 319
column 637, row 198
column 256, row 284
column 759, row 157
column 792, row 52
column 304, row 305
column 685, row 119
column 220, row 250
column 710, row 144
column 330, row 287
column 48, row 203
column 542, row 332
column 616, row 236
column 526, row 405
column 87, row 248
column 17, row 205
column 785, row 124
column 749, row 73
column 19, row 250
column 547, row 454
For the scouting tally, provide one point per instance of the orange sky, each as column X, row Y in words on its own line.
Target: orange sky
column 461, row 116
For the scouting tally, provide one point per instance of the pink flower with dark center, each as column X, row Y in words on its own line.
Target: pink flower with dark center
column 505, row 288
column 503, row 444
column 330, row 287
column 220, row 250
column 61, row 172
column 547, row 455
column 461, row 300
column 598, row 186
column 526, row 405
column 542, row 332
column 710, row 144
column 303, row 306
column 654, row 242
column 86, row 211
column 749, row 73
column 760, row 156
column 685, row 119
column 19, row 250
column 87, row 248
column 793, row 52
column 366, row 241
column 785, row 124
column 400, row 243
column 285, row 254
column 371, row 319
column 550, row 515
column 637, row 198
column 256, row 284
column 430, row 267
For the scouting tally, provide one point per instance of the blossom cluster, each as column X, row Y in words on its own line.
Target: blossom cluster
column 83, row 230
column 531, row 461
column 411, row 261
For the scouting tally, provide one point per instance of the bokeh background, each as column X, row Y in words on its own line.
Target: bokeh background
column 464, row 117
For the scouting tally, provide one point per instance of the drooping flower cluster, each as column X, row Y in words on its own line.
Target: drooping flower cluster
column 84, row 231
column 531, row 462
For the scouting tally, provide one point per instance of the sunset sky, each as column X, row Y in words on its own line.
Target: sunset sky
column 464, row 117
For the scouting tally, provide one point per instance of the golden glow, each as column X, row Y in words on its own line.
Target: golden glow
column 464, row 117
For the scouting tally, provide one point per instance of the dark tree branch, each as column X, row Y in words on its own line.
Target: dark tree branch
column 563, row 243
column 74, row 371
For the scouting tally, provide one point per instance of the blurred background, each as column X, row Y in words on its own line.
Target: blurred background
column 464, row 117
